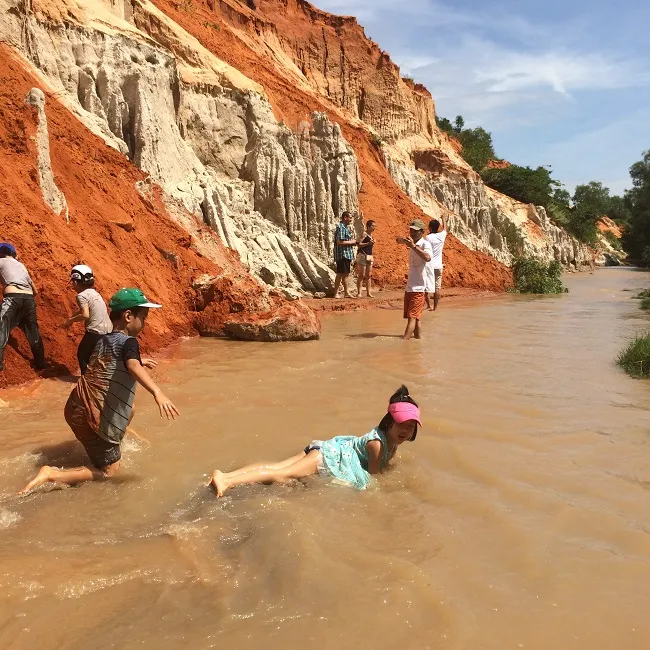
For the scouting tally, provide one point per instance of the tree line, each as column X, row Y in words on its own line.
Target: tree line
column 577, row 213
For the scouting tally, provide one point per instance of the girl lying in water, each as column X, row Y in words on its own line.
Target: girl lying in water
column 351, row 459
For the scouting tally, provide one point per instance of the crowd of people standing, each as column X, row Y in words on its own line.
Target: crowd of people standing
column 425, row 266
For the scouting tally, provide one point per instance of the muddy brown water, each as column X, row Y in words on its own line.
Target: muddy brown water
column 520, row 518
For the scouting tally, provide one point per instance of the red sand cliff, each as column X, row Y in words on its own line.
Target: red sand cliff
column 235, row 33
column 122, row 235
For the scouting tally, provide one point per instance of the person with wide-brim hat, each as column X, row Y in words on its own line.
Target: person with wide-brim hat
column 414, row 296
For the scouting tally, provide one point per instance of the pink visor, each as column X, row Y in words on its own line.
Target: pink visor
column 403, row 411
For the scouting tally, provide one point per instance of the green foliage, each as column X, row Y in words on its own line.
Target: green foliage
column 636, row 238
column 444, row 125
column 477, row 143
column 635, row 357
column 645, row 303
column 618, row 210
column 643, row 294
column 578, row 214
column 523, row 183
column 533, row 276
column 477, row 147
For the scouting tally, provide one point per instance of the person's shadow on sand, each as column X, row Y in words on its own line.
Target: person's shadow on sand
column 373, row 335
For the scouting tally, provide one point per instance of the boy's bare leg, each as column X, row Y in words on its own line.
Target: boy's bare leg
column 417, row 333
column 306, row 466
column 436, row 298
column 337, row 284
column 346, row 286
column 427, row 299
column 410, row 328
column 49, row 474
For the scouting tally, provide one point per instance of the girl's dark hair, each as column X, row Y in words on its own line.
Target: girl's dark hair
column 434, row 224
column 116, row 314
column 370, row 222
column 87, row 283
column 400, row 395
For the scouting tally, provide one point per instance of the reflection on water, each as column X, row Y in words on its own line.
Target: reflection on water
column 519, row 518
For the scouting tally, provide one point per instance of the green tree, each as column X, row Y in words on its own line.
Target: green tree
column 636, row 239
column 590, row 203
column 619, row 211
column 444, row 124
column 477, row 147
column 459, row 124
column 523, row 183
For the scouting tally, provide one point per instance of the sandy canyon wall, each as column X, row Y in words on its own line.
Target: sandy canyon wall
column 214, row 137
column 201, row 130
column 332, row 57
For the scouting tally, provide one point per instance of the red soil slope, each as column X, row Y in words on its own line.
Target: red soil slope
column 605, row 224
column 123, row 236
column 218, row 26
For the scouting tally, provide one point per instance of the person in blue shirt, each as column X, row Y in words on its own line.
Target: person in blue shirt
column 344, row 244
column 351, row 460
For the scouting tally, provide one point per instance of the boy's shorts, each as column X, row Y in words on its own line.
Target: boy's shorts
column 343, row 266
column 413, row 304
column 101, row 453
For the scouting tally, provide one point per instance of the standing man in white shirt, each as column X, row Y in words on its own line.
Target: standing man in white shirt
column 419, row 255
column 436, row 237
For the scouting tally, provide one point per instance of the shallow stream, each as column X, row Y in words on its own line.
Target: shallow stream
column 520, row 518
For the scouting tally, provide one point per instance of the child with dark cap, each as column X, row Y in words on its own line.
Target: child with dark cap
column 18, row 305
column 100, row 407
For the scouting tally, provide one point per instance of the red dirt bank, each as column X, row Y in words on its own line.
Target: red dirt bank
column 122, row 235
column 301, row 28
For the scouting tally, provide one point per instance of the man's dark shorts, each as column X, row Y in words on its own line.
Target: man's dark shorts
column 101, row 453
column 343, row 266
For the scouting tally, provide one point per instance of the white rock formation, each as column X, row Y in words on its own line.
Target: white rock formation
column 52, row 195
column 199, row 128
column 481, row 218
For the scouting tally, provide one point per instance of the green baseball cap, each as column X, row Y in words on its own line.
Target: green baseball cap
column 130, row 298
column 417, row 224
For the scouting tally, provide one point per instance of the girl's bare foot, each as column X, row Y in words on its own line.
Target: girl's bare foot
column 43, row 476
column 371, row 295
column 218, row 482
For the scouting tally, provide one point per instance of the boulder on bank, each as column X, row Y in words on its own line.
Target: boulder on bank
column 290, row 322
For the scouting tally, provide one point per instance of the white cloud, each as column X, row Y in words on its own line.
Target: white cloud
column 537, row 78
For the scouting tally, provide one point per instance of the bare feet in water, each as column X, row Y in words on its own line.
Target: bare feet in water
column 43, row 476
column 218, row 482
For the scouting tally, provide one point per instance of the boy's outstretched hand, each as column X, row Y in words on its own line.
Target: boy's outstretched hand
column 166, row 407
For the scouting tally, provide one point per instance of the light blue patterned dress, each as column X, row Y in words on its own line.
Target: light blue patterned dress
column 346, row 458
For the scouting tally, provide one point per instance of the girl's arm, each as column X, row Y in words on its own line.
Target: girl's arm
column 373, row 447
column 145, row 380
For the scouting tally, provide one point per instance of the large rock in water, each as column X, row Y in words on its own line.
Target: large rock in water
column 290, row 322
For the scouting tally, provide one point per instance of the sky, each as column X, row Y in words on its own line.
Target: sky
column 564, row 83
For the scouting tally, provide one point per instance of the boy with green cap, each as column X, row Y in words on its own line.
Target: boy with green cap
column 100, row 407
